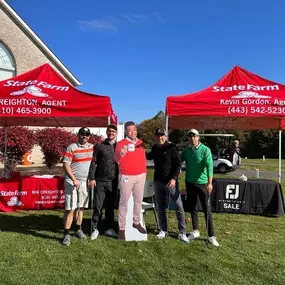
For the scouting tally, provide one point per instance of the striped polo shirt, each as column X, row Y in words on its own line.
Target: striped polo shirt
column 79, row 156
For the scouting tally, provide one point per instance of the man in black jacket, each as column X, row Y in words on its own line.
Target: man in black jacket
column 167, row 167
column 103, row 177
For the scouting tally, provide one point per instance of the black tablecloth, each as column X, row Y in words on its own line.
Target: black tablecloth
column 255, row 196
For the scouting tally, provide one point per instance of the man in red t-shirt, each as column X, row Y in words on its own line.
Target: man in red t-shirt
column 130, row 155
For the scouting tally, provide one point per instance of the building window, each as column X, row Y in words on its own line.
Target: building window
column 7, row 63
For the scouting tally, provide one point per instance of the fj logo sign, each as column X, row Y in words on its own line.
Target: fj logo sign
column 232, row 191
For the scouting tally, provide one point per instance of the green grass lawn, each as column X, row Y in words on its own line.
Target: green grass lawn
column 252, row 251
column 269, row 164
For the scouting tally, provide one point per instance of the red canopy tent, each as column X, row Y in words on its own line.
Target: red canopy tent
column 239, row 100
column 42, row 97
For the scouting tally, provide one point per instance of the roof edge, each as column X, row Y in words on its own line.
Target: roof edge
column 30, row 32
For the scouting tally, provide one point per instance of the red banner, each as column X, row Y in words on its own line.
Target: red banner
column 29, row 193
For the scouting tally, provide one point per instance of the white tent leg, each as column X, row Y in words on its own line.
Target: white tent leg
column 166, row 126
column 280, row 155
column 109, row 120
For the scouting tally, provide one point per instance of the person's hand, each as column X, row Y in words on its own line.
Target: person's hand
column 209, row 187
column 171, row 183
column 76, row 183
column 123, row 151
column 92, row 184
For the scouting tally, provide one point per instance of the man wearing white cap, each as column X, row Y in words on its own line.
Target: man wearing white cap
column 199, row 176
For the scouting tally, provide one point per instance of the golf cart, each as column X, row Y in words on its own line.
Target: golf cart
column 225, row 158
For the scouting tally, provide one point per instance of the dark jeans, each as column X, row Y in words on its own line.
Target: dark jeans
column 105, row 194
column 193, row 192
column 162, row 196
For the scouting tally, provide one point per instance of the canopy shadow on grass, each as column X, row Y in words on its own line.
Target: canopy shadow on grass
column 32, row 224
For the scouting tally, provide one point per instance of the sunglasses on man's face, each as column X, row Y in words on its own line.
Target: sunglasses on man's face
column 85, row 135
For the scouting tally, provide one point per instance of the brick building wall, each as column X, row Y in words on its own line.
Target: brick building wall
column 27, row 54
column 25, row 50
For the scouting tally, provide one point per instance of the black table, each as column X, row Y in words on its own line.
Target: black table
column 254, row 196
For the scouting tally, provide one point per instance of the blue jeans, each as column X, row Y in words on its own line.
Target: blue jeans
column 163, row 194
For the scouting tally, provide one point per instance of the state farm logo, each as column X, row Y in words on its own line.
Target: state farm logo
column 32, row 90
column 232, row 191
column 33, row 87
column 14, row 201
column 249, row 94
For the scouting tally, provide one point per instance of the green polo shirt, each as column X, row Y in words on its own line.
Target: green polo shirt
column 199, row 164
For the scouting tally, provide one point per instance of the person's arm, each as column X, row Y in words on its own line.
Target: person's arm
column 120, row 152
column 209, row 167
column 67, row 159
column 182, row 156
column 93, row 166
column 176, row 163
column 175, row 167
column 68, row 171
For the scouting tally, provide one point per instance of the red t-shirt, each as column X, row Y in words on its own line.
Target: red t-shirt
column 134, row 162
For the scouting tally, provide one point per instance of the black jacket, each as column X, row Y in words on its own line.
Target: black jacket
column 103, row 166
column 167, row 163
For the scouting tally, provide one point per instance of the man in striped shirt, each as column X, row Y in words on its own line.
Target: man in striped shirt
column 76, row 163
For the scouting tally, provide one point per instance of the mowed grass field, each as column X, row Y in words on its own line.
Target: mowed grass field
column 252, row 251
column 270, row 164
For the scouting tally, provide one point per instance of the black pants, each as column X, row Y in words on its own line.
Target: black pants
column 193, row 192
column 162, row 196
column 105, row 194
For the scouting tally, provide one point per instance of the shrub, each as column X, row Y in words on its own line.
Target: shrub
column 19, row 141
column 54, row 142
column 94, row 139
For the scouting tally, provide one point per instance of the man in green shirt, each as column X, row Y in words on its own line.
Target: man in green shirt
column 199, row 176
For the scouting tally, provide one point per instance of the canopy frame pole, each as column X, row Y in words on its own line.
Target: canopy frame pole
column 6, row 172
column 166, row 126
column 280, row 156
column 109, row 120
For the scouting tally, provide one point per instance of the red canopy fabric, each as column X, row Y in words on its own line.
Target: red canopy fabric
column 240, row 100
column 42, row 97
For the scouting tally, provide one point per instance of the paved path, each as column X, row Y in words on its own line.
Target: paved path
column 252, row 174
column 248, row 173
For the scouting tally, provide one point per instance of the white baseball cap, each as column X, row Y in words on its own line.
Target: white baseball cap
column 193, row 131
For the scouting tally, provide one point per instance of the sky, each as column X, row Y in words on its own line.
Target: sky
column 138, row 52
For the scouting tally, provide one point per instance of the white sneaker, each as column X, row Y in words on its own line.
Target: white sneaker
column 183, row 238
column 194, row 234
column 212, row 240
column 161, row 235
column 111, row 233
column 94, row 235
